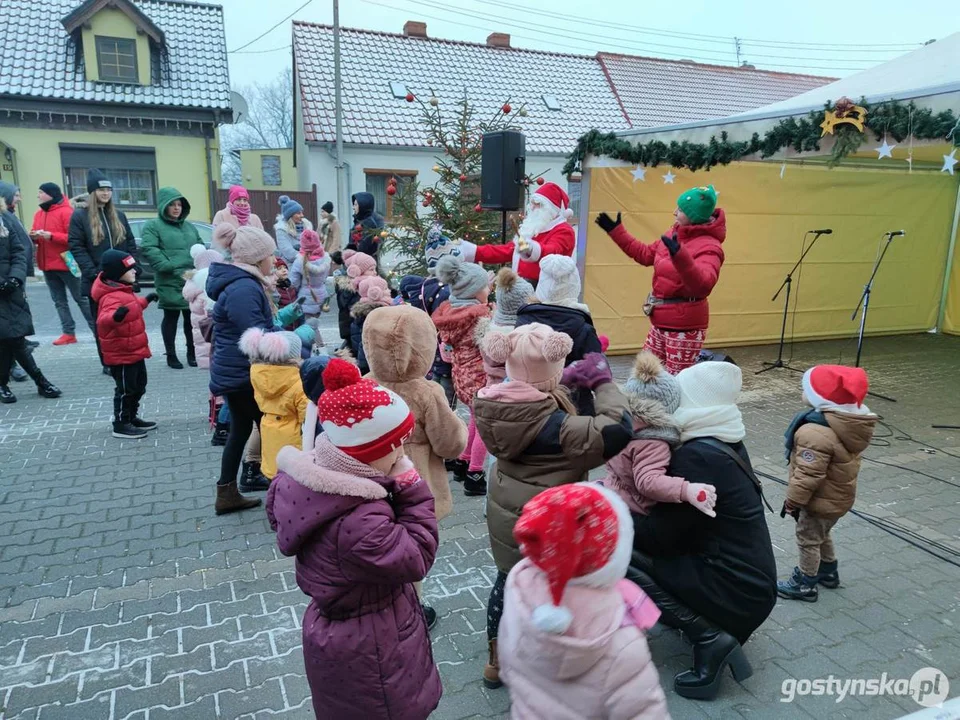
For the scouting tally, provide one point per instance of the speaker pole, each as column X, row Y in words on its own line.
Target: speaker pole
column 503, row 227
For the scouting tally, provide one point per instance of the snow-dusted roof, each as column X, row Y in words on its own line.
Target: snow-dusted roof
column 490, row 76
column 660, row 92
column 39, row 59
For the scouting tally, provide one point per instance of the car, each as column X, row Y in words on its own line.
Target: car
column 136, row 224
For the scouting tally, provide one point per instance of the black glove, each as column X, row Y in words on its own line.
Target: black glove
column 120, row 313
column 795, row 513
column 673, row 245
column 7, row 287
column 607, row 222
column 152, row 297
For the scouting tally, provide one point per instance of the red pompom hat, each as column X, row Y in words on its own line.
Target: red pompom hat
column 576, row 534
column 362, row 419
column 836, row 387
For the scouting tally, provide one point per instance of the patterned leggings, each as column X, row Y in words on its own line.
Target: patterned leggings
column 475, row 453
column 495, row 606
column 677, row 349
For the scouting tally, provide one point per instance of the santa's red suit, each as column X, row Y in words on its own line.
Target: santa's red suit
column 557, row 238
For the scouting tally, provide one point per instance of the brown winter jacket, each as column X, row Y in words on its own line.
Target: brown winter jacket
column 825, row 463
column 400, row 343
column 539, row 446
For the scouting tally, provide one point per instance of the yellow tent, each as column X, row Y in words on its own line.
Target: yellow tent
column 770, row 206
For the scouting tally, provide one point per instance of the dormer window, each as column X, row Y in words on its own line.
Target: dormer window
column 117, row 60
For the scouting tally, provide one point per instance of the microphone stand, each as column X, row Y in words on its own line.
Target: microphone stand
column 865, row 302
column 787, row 283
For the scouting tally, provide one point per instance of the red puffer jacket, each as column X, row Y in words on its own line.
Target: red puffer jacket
column 55, row 221
column 691, row 273
column 124, row 342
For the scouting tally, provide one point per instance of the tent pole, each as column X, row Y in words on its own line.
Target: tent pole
column 949, row 269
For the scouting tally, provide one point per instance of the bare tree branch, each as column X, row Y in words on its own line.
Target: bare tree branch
column 269, row 123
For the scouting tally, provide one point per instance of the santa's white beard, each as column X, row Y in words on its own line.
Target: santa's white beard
column 536, row 221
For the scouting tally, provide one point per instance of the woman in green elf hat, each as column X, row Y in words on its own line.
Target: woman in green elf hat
column 686, row 264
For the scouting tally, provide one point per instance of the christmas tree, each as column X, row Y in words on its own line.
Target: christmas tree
column 453, row 201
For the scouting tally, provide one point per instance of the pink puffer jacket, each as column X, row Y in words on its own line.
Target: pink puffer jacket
column 194, row 293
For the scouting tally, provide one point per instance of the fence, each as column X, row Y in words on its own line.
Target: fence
column 266, row 203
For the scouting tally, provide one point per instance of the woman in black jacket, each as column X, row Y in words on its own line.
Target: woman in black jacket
column 713, row 578
column 15, row 319
column 367, row 225
column 95, row 227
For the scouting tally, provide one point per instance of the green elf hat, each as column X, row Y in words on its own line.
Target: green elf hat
column 698, row 203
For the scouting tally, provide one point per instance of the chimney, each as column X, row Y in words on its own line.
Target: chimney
column 501, row 40
column 414, row 28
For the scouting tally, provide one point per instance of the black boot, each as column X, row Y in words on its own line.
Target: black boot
column 713, row 648
column 458, row 468
column 220, row 434
column 173, row 361
column 47, row 389
column 6, row 396
column 475, row 484
column 828, row 575
column 799, row 587
column 251, row 479
column 191, row 356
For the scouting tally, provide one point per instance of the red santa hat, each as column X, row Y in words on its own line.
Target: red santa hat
column 554, row 196
column 578, row 534
column 362, row 419
column 836, row 387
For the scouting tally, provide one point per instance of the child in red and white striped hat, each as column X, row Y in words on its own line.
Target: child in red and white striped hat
column 572, row 641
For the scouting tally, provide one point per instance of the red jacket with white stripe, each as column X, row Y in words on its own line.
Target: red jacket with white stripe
column 558, row 240
column 691, row 273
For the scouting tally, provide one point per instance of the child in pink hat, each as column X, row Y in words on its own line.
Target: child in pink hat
column 308, row 274
column 572, row 641
column 531, row 426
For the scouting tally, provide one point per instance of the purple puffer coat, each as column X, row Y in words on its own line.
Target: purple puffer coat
column 365, row 642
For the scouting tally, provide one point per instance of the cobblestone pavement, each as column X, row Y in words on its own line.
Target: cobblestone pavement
column 123, row 596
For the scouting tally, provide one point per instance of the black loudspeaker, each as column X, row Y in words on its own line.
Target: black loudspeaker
column 503, row 170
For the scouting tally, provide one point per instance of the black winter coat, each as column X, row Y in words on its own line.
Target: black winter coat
column 428, row 297
column 347, row 297
column 15, row 318
column 367, row 224
column 721, row 567
column 86, row 253
column 572, row 321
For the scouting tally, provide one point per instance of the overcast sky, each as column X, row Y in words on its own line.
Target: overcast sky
column 831, row 38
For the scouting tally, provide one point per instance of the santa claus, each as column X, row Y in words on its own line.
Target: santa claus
column 545, row 230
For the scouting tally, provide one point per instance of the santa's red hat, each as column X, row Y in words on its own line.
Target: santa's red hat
column 362, row 419
column 578, row 534
column 836, row 387
column 555, row 196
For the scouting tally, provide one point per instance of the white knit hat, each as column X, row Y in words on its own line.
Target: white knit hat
column 559, row 281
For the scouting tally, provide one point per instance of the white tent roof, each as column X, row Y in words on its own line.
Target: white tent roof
column 931, row 72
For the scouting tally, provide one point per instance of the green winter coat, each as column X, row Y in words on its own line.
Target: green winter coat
column 166, row 246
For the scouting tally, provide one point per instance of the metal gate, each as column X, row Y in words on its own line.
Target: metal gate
column 266, row 203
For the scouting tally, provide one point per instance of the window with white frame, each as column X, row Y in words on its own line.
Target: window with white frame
column 131, row 170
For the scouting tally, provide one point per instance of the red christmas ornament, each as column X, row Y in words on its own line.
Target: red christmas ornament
column 478, row 208
column 539, row 181
column 506, row 108
column 701, row 496
column 463, row 178
column 427, row 200
column 410, row 97
column 391, row 189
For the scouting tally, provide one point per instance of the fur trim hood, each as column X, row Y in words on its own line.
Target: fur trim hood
column 362, row 309
column 80, row 201
column 300, row 466
column 486, row 325
column 650, row 412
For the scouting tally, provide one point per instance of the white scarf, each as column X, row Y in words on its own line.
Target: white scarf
column 723, row 422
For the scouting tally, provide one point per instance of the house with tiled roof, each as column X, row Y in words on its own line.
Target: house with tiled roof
column 136, row 88
column 564, row 95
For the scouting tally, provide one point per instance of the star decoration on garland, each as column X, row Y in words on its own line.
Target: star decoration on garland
column 949, row 161
column 669, row 178
column 885, row 150
column 639, row 174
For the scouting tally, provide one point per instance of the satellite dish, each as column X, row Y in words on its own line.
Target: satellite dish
column 240, row 108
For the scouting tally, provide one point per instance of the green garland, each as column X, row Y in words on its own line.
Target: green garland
column 801, row 134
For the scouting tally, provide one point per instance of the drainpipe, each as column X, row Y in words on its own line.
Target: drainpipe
column 338, row 103
column 211, row 197
column 949, row 269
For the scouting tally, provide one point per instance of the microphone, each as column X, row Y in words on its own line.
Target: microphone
column 821, row 232
column 895, row 233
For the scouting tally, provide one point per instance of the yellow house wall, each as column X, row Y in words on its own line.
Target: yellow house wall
column 253, row 176
column 766, row 219
column 180, row 162
column 114, row 23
